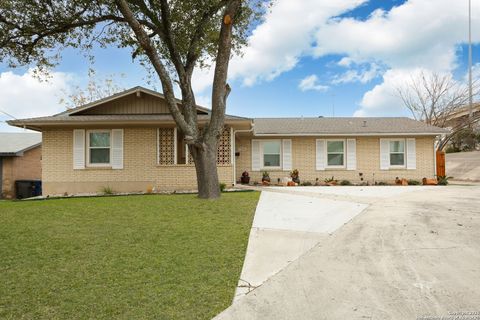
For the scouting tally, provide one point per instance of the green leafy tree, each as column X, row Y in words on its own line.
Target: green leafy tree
column 170, row 37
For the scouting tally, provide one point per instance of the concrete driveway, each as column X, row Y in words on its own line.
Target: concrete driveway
column 463, row 165
column 286, row 225
column 412, row 252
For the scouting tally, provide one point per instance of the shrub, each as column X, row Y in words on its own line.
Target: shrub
column 413, row 182
column 332, row 179
column 107, row 190
column 443, row 180
column 222, row 187
column 452, row 149
column 345, row 183
column 382, row 183
column 306, row 183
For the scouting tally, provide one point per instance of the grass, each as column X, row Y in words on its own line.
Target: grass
column 136, row 257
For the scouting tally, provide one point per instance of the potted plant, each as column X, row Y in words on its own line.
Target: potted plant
column 294, row 176
column 330, row 181
column 245, row 178
column 265, row 176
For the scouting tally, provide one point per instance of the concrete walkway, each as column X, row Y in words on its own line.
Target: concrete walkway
column 407, row 255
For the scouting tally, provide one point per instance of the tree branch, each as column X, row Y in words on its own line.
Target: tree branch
column 220, row 88
column 151, row 53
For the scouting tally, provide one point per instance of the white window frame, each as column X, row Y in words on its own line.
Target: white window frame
column 391, row 166
column 109, row 164
column 344, row 154
column 262, row 142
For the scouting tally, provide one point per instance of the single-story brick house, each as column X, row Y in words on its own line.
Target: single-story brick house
column 20, row 159
column 129, row 142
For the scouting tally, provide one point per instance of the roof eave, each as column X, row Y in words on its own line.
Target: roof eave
column 38, row 125
column 339, row 134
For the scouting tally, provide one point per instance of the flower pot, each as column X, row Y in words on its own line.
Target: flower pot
column 245, row 180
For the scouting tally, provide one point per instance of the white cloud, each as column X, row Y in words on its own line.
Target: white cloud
column 419, row 34
column 287, row 33
column 311, row 83
column 383, row 100
column 277, row 44
column 363, row 75
column 24, row 96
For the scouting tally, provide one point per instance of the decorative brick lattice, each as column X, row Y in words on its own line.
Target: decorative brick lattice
column 166, row 149
column 224, row 151
column 224, row 154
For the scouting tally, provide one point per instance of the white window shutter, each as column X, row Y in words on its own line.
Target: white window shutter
column 117, row 149
column 320, row 154
column 384, row 154
column 256, row 155
column 287, row 154
column 351, row 154
column 411, row 154
column 78, row 149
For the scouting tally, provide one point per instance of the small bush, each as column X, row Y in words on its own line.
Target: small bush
column 413, row 182
column 306, row 183
column 443, row 180
column 382, row 183
column 451, row 149
column 107, row 190
column 332, row 179
column 222, row 187
column 345, row 183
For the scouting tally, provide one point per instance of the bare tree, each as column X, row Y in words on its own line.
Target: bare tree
column 95, row 89
column 433, row 98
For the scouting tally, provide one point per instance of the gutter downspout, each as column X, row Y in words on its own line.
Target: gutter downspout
column 234, row 159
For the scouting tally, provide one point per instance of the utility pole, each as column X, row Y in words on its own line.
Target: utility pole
column 470, row 97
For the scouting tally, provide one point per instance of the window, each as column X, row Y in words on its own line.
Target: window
column 271, row 153
column 397, row 153
column 98, row 142
column 335, row 153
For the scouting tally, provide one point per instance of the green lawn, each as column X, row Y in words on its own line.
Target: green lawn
column 136, row 257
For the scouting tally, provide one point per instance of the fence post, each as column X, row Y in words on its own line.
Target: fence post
column 441, row 163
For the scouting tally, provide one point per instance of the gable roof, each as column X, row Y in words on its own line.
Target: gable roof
column 85, row 115
column 343, row 126
column 136, row 90
column 15, row 143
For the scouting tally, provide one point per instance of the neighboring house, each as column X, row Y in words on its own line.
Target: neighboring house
column 20, row 159
column 129, row 142
column 461, row 116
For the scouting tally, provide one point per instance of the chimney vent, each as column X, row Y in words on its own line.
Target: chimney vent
column 364, row 123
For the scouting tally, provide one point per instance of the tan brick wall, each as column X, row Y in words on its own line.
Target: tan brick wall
column 140, row 169
column 26, row 167
column 368, row 161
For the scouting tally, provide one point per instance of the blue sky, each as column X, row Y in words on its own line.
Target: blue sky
column 308, row 58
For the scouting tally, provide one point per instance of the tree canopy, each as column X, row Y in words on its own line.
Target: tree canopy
column 170, row 37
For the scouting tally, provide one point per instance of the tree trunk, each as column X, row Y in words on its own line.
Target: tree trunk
column 206, row 168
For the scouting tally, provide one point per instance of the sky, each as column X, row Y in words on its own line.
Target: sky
column 306, row 58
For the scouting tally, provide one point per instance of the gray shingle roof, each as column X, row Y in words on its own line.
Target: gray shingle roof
column 342, row 126
column 65, row 118
column 13, row 143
